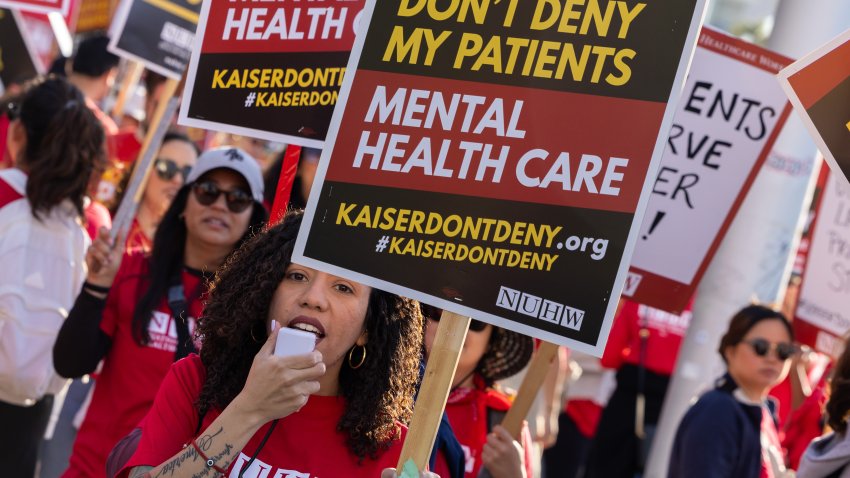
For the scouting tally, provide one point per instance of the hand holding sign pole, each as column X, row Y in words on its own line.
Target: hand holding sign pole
column 158, row 126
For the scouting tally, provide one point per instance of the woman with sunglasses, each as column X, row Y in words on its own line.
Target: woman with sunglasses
column 244, row 409
column 138, row 313
column 730, row 432
column 475, row 406
column 171, row 168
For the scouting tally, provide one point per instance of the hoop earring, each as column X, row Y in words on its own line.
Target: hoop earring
column 253, row 337
column 362, row 357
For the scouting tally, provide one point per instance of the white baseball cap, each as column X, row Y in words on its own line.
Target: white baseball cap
column 232, row 158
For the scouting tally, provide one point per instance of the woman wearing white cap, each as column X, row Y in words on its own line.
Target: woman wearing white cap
column 137, row 314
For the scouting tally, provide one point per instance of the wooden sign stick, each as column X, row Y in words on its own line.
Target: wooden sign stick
column 168, row 90
column 428, row 411
column 127, row 88
column 531, row 383
column 127, row 209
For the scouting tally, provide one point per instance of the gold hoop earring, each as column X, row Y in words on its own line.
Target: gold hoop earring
column 362, row 357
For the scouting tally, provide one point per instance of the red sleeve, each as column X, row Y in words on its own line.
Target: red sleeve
column 619, row 338
column 171, row 421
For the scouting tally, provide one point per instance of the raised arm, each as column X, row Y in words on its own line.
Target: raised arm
column 275, row 388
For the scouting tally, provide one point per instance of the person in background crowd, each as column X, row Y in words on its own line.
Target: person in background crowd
column 127, row 315
column 475, row 408
column 730, row 432
column 642, row 347
column 93, row 71
column 265, row 152
column 57, row 145
column 586, row 397
column 154, row 86
column 301, row 184
column 172, row 166
column 334, row 412
column 829, row 456
column 806, row 419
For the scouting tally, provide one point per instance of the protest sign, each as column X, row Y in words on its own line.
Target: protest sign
column 18, row 61
column 157, row 33
column 727, row 120
column 40, row 6
column 41, row 37
column 94, row 15
column 490, row 157
column 271, row 73
column 821, row 317
column 819, row 88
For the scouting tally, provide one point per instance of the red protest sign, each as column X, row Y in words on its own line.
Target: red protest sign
column 819, row 88
column 490, row 158
column 728, row 118
column 40, row 6
column 271, row 71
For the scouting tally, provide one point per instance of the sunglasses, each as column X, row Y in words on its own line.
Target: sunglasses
column 207, row 192
column 166, row 169
column 474, row 325
column 762, row 347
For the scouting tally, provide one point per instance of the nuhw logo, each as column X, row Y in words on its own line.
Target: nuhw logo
column 540, row 308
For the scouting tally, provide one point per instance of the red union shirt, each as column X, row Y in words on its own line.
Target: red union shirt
column 132, row 373
column 666, row 332
column 467, row 409
column 305, row 444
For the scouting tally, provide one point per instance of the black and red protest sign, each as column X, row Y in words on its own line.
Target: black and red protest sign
column 18, row 62
column 728, row 118
column 270, row 69
column 490, row 157
column 157, row 33
column 819, row 88
column 40, row 6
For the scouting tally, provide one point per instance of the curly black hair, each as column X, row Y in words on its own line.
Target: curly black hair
column 378, row 395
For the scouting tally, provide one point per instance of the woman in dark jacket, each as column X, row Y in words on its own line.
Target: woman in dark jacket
column 723, row 433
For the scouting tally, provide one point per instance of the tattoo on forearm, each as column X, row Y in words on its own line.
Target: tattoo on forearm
column 205, row 441
column 222, row 459
column 141, row 472
column 171, row 466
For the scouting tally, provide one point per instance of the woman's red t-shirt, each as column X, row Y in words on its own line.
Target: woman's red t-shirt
column 305, row 444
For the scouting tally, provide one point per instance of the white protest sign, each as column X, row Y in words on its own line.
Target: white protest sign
column 825, row 288
column 728, row 117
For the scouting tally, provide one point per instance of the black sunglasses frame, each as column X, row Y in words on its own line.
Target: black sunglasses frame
column 166, row 169
column 207, row 193
column 761, row 347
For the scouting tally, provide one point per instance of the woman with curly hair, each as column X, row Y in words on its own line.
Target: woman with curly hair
column 240, row 410
column 137, row 312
